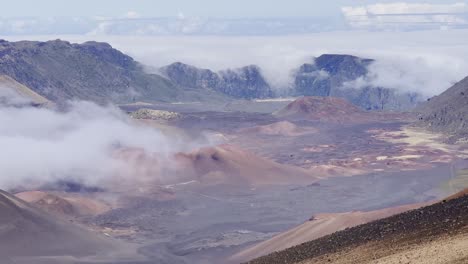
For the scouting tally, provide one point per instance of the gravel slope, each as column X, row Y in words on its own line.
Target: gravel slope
column 389, row 238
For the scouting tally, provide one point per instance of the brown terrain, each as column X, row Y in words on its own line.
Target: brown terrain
column 221, row 164
column 28, row 235
column 246, row 175
column 434, row 234
column 245, row 191
column 64, row 204
column 327, row 109
column 228, row 164
column 318, row 226
column 282, row 128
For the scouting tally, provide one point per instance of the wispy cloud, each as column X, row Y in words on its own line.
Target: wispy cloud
column 80, row 144
column 132, row 23
column 406, row 16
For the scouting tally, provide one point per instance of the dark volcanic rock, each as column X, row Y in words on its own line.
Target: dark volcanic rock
column 326, row 76
column 59, row 70
column 445, row 218
column 244, row 83
column 448, row 112
column 328, row 72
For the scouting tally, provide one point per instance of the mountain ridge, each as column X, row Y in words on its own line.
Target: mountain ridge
column 95, row 71
column 324, row 76
column 447, row 112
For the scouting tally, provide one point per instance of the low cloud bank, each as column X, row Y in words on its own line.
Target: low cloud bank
column 427, row 76
column 40, row 146
column 406, row 16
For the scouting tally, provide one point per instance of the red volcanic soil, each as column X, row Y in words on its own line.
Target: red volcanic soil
column 226, row 164
column 64, row 204
column 222, row 164
column 330, row 109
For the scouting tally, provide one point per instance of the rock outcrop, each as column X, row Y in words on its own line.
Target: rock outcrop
column 329, row 73
column 243, row 83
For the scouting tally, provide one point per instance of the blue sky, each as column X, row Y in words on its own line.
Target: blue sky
column 226, row 17
column 203, row 8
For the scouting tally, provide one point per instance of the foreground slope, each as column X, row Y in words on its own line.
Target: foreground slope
column 433, row 234
column 27, row 233
column 448, row 112
column 318, row 226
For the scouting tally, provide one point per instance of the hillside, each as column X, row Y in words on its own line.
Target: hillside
column 318, row 226
column 329, row 109
column 27, row 232
column 59, row 70
column 433, row 234
column 228, row 164
column 448, row 112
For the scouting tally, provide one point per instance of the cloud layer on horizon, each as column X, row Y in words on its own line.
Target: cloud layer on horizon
column 394, row 16
column 406, row 16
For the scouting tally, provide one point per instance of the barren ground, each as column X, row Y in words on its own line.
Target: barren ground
column 194, row 222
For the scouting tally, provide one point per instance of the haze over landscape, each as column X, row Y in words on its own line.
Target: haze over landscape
column 234, row 132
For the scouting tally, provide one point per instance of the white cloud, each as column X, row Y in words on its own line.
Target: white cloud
column 403, row 15
column 132, row 15
column 41, row 145
column 181, row 15
column 9, row 96
column 426, row 75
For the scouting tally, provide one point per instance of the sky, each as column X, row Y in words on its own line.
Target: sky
column 222, row 17
column 202, row 8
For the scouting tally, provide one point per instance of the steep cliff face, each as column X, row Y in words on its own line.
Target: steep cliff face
column 243, row 83
column 59, row 70
column 246, row 82
column 448, row 112
column 328, row 74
